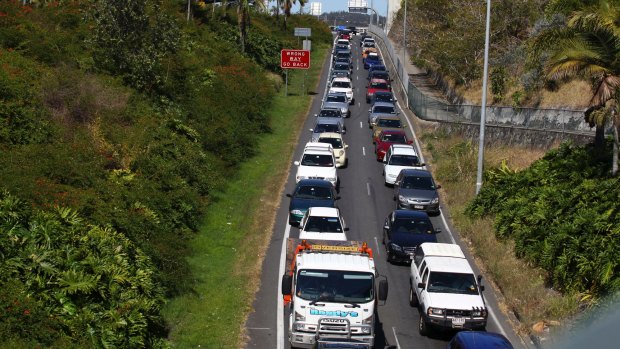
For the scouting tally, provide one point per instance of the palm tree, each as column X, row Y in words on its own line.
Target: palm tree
column 287, row 6
column 588, row 47
column 243, row 18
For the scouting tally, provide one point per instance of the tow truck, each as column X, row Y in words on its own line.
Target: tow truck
column 332, row 290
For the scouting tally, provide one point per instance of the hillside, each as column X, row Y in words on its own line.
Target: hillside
column 117, row 126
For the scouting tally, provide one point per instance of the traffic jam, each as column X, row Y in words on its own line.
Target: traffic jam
column 331, row 287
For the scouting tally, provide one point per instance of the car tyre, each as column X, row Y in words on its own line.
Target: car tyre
column 388, row 257
column 423, row 327
column 413, row 298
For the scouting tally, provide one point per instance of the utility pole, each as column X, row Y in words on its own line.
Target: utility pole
column 188, row 8
column 483, row 112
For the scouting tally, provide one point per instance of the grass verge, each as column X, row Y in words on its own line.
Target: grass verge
column 227, row 253
column 523, row 287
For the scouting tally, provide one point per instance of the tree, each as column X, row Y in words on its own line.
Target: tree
column 588, row 47
column 243, row 19
column 287, row 6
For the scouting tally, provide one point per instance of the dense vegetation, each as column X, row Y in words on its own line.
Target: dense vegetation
column 563, row 215
column 118, row 122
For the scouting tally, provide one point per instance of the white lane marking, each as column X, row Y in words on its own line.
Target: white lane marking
column 280, row 317
column 368, row 188
column 378, row 249
column 501, row 329
column 445, row 224
column 361, row 125
column 396, row 338
column 359, row 104
column 357, row 77
column 364, row 151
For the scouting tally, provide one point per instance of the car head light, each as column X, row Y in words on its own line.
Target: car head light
column 343, row 110
column 299, row 317
column 330, row 179
column 435, row 311
column 479, row 313
column 402, row 198
column 341, row 152
column 435, row 201
column 297, row 212
column 396, row 247
column 391, row 175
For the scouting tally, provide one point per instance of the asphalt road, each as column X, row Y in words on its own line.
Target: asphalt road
column 364, row 205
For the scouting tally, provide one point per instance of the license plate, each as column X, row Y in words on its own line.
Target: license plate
column 418, row 207
column 458, row 322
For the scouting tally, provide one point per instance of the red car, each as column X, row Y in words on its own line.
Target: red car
column 377, row 85
column 387, row 138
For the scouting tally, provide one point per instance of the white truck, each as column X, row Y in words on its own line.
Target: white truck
column 332, row 292
column 445, row 290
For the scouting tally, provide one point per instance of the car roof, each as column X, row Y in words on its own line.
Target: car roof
column 416, row 172
column 341, row 79
column 315, row 183
column 330, row 108
column 482, row 340
column 383, row 104
column 330, row 135
column 328, row 120
column 410, row 214
column 336, row 94
column 324, row 212
column 317, row 146
column 406, row 149
column 378, row 80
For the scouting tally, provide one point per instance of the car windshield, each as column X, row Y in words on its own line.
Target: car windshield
column 319, row 224
column 320, row 128
column 336, row 98
column 393, row 123
column 341, row 84
column 417, row 182
column 335, row 142
column 331, row 113
column 313, row 192
column 343, row 55
column 412, row 226
column 394, row 138
column 380, row 75
column 341, row 67
column 404, row 160
column 335, row 286
column 369, row 44
column 385, row 109
column 460, row 283
column 381, row 85
column 317, row 160
column 378, row 68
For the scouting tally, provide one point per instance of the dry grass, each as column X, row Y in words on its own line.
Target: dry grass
column 574, row 95
column 454, row 165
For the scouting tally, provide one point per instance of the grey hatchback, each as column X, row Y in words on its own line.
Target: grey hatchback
column 415, row 189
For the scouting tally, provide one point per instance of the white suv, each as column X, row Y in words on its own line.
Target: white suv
column 443, row 287
column 397, row 158
column 342, row 85
column 322, row 223
column 317, row 162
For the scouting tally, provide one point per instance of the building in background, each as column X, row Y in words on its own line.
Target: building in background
column 315, row 8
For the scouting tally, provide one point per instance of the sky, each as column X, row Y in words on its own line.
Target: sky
column 340, row 5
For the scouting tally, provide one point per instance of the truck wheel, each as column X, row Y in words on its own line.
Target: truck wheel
column 423, row 327
column 413, row 298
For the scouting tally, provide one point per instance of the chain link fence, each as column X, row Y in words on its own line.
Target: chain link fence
column 429, row 108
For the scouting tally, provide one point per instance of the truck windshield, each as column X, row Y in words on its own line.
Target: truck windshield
column 335, row 286
column 442, row 282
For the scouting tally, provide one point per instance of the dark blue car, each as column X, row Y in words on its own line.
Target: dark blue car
column 371, row 60
column 310, row 193
column 479, row 340
column 404, row 231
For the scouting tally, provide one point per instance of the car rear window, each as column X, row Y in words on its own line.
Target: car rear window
column 389, row 123
column 386, row 109
column 410, row 160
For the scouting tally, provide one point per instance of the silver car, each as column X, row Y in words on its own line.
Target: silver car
column 416, row 190
column 327, row 125
column 337, row 100
column 380, row 109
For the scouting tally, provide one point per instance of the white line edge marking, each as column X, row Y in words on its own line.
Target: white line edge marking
column 396, row 338
column 364, row 151
column 280, row 316
column 368, row 188
column 361, row 124
column 499, row 325
column 445, row 224
column 378, row 249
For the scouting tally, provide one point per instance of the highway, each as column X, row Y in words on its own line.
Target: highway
column 364, row 205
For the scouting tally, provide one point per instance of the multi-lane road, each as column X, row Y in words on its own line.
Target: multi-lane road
column 364, row 205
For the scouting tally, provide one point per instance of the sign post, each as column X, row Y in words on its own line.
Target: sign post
column 294, row 59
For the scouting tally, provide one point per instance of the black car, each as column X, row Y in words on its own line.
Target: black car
column 404, row 231
column 310, row 193
column 382, row 96
column 379, row 74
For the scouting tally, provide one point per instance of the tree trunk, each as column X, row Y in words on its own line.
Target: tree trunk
column 278, row 11
column 242, row 27
column 614, row 163
column 599, row 136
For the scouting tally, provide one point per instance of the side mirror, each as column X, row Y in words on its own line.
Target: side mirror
column 287, row 284
column 422, row 164
column 481, row 288
column 409, row 142
column 395, row 100
column 386, row 227
column 385, row 159
column 370, row 110
column 289, row 195
column 396, row 183
column 311, row 130
column 337, row 198
column 383, row 290
column 316, row 114
column 296, row 163
column 437, row 231
column 438, row 186
column 479, row 278
column 346, row 146
column 346, row 229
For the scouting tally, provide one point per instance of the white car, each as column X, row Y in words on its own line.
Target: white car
column 397, row 158
column 340, row 147
column 322, row 223
column 343, row 42
column 317, row 162
column 342, row 85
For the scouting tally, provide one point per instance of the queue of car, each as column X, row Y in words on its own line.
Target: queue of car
column 408, row 233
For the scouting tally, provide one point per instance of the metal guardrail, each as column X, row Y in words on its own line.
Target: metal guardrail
column 428, row 108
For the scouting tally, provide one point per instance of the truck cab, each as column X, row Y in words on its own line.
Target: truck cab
column 332, row 290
